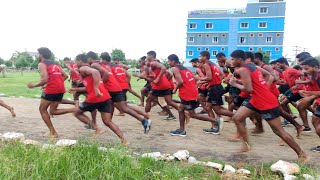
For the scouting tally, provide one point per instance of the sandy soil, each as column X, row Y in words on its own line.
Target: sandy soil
column 201, row 145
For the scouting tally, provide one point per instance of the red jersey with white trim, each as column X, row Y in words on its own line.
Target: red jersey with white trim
column 215, row 71
column 163, row 83
column 91, row 97
column 74, row 76
column 111, row 84
column 188, row 91
column 120, row 75
column 55, row 83
column 261, row 97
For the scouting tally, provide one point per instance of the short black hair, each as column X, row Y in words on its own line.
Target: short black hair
column 174, row 58
column 105, row 56
column 273, row 62
column 152, row 53
column 220, row 55
column 301, row 54
column 194, row 60
column 258, row 55
column 143, row 58
column 303, row 57
column 311, row 61
column 283, row 60
column 66, row 59
column 205, row 54
column 249, row 55
column 45, row 52
column 238, row 54
column 82, row 57
column 92, row 55
column 297, row 67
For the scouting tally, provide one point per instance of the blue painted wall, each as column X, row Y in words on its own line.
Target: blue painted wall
column 273, row 24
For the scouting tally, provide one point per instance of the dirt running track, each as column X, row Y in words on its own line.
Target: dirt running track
column 203, row 146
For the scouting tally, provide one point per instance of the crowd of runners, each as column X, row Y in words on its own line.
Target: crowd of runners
column 251, row 88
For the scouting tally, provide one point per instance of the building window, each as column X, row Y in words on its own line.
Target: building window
column 244, row 25
column 191, row 39
column 242, row 40
column 259, row 49
column 268, row 52
column 209, row 26
column 223, row 49
column 199, row 49
column 190, row 53
column 208, row 35
column 260, row 35
column 251, row 35
column 223, row 35
column 199, row 35
column 263, row 10
column 193, row 26
column 277, row 49
column 215, row 40
column 251, row 49
column 214, row 53
column 278, row 34
column 269, row 39
column 207, row 49
column 262, row 24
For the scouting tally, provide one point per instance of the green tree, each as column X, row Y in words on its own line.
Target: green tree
column 2, row 61
column 8, row 63
column 118, row 54
column 21, row 59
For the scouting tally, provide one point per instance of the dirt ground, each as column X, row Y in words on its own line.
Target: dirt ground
column 200, row 145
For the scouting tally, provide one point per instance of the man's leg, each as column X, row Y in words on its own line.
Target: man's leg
column 79, row 114
column 202, row 101
column 66, row 101
column 3, row 104
column 106, row 118
column 182, row 120
column 43, row 108
column 220, row 110
column 275, row 124
column 149, row 100
column 121, row 105
column 289, row 118
column 169, row 101
column 55, row 111
column 134, row 93
column 316, row 125
column 302, row 108
column 144, row 93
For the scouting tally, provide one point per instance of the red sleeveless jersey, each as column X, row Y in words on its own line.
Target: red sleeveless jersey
column 55, row 84
column 111, row 84
column 262, row 98
column 215, row 71
column 74, row 76
column 171, row 84
column 273, row 87
column 120, row 75
column 315, row 85
column 188, row 91
column 91, row 97
column 203, row 86
column 163, row 84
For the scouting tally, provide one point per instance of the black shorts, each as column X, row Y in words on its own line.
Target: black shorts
column 292, row 97
column 104, row 106
column 52, row 97
column 190, row 105
column 161, row 93
column 238, row 100
column 233, row 91
column 267, row 115
column 124, row 92
column 117, row 96
column 148, row 86
column 283, row 88
column 203, row 92
column 317, row 111
column 215, row 93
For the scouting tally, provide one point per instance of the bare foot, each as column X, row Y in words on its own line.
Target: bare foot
column 299, row 132
column 12, row 112
column 124, row 142
column 257, row 131
column 51, row 135
column 163, row 113
column 187, row 116
column 99, row 132
column 120, row 114
column 281, row 143
column 235, row 138
column 245, row 148
column 148, row 115
column 303, row 158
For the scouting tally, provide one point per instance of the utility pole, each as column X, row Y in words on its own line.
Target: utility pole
column 296, row 50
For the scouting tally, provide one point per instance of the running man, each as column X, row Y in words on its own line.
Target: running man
column 188, row 94
column 97, row 98
column 262, row 101
column 11, row 109
column 52, row 81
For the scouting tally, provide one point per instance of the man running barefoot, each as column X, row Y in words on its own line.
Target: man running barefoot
column 97, row 98
column 188, row 94
column 52, row 78
column 263, row 101
column 3, row 104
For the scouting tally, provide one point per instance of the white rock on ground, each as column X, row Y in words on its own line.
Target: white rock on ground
column 214, row 165
column 166, row 157
column 66, row 142
column 285, row 167
column 192, row 160
column 182, row 155
column 154, row 155
column 308, row 177
column 228, row 168
column 31, row 142
column 13, row 136
column 104, row 149
column 290, row 177
column 243, row 171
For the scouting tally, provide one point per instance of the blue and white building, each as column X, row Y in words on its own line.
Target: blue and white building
column 258, row 27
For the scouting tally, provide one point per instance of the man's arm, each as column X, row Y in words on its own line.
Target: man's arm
column 104, row 73
column 43, row 76
column 78, row 89
column 128, row 76
column 163, row 70
column 269, row 69
column 64, row 74
column 199, row 72
column 96, row 78
column 267, row 76
column 208, row 76
column 245, row 79
column 178, row 78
